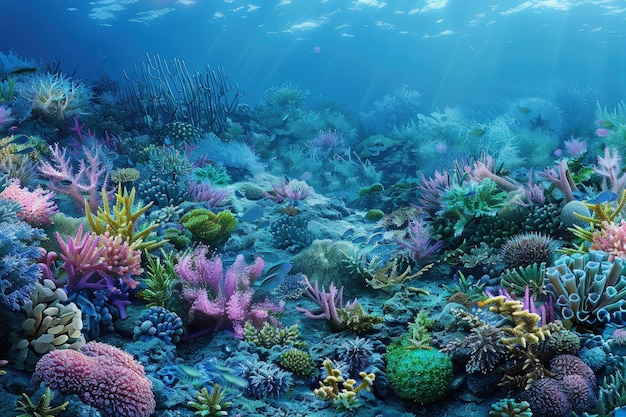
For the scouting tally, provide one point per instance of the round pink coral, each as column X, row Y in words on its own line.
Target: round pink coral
column 610, row 238
column 564, row 365
column 103, row 376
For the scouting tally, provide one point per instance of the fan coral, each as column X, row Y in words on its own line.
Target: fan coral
column 37, row 206
column 525, row 249
column 102, row 375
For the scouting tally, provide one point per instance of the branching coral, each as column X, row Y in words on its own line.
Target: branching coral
column 340, row 391
column 483, row 347
column 121, row 220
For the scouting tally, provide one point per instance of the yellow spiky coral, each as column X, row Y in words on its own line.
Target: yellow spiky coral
column 525, row 330
column 340, row 391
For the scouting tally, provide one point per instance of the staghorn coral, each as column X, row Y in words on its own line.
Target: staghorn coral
column 525, row 330
column 122, row 220
column 342, row 392
column 49, row 325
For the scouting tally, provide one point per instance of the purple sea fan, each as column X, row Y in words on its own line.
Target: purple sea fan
column 205, row 192
column 419, row 240
column 325, row 142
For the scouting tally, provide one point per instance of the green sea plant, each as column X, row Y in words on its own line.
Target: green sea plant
column 269, row 336
column 122, row 219
column 160, row 280
column 211, row 404
column 531, row 276
column 464, row 202
column 42, row 408
column 466, row 285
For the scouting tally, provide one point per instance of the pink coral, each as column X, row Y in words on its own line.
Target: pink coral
column 222, row 300
column 121, row 259
column 37, row 206
column 611, row 238
column 5, row 116
column 81, row 184
column 104, row 377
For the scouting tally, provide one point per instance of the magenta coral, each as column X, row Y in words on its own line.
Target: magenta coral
column 81, row 184
column 610, row 169
column 121, row 259
column 104, row 377
column 328, row 303
column 38, row 205
column 222, row 300
column 287, row 192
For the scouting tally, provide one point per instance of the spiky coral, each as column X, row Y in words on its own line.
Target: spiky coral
column 122, row 220
column 210, row 404
column 525, row 249
column 209, row 228
column 483, row 347
column 37, row 205
column 42, row 408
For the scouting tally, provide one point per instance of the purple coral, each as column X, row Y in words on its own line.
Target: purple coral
column 328, row 302
column 222, row 300
column 419, row 240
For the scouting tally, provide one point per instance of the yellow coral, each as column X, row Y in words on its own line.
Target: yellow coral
column 335, row 387
column 525, row 330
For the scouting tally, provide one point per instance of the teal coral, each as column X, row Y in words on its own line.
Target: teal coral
column 421, row 375
column 462, row 203
column 510, row 408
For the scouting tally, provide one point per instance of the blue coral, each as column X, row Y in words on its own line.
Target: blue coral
column 266, row 380
column 159, row 322
column 18, row 256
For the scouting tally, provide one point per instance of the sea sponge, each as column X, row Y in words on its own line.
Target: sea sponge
column 546, row 398
column 421, row 375
column 102, row 375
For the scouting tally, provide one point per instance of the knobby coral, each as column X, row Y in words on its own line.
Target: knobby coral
column 102, row 375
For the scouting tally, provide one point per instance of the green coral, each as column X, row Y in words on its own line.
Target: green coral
column 269, row 336
column 42, row 408
column 374, row 215
column 421, row 375
column 357, row 320
column 122, row 220
column 374, row 188
column 210, row 404
column 297, row 361
column 508, row 407
column 374, row 145
column 531, row 276
column 465, row 202
column 209, row 228
column 216, row 174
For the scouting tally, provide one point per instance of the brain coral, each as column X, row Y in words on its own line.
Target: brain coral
column 102, row 375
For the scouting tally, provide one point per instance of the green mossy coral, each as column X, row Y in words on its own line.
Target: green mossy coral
column 209, row 228
column 297, row 361
column 421, row 375
column 269, row 336
column 374, row 215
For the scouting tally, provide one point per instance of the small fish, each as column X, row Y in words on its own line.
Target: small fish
column 24, row 71
column 253, row 213
column 375, row 238
column 234, row 380
column 349, row 232
column 478, row 132
column 285, row 117
column 13, row 129
column 263, row 224
column 605, row 123
column 65, row 182
column 523, row 110
column 359, row 239
column 18, row 140
column 603, row 198
column 272, row 137
column 274, row 276
column 24, row 151
column 620, row 412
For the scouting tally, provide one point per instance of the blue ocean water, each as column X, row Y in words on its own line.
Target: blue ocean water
column 425, row 197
